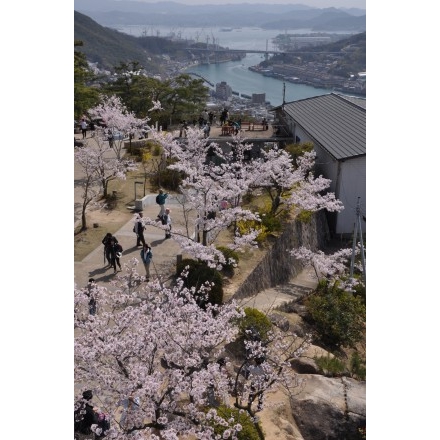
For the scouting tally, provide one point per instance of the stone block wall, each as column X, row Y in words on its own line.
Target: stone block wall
column 278, row 266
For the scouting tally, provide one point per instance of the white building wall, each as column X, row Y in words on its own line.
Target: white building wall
column 352, row 185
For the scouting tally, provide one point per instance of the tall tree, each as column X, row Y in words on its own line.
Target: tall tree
column 89, row 182
column 101, row 165
column 84, row 96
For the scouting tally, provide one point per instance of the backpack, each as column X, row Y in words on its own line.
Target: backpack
column 158, row 199
column 118, row 248
column 164, row 219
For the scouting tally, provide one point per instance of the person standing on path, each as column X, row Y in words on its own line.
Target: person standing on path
column 83, row 128
column 160, row 200
column 146, row 257
column 139, row 229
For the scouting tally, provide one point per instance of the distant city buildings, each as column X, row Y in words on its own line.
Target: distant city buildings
column 258, row 98
column 223, row 91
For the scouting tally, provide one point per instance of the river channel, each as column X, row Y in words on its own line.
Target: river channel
column 236, row 73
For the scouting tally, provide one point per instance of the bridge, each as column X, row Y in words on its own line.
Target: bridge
column 244, row 51
column 266, row 52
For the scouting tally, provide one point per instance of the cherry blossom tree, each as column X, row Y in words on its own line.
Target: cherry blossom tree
column 204, row 186
column 153, row 344
column 89, row 182
column 333, row 267
column 121, row 124
column 294, row 185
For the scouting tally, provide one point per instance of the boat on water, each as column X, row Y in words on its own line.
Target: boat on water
column 226, row 30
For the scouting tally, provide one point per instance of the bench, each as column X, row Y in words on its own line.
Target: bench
column 257, row 126
column 246, row 125
column 227, row 130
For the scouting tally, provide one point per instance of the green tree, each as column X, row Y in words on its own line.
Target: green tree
column 84, row 95
column 181, row 97
column 339, row 316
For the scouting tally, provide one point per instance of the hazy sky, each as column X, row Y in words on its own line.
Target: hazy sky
column 315, row 3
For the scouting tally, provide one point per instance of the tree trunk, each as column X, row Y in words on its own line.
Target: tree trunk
column 104, row 188
column 83, row 219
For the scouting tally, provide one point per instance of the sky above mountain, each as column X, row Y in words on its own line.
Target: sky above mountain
column 361, row 4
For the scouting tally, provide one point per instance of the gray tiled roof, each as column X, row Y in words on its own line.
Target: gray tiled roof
column 336, row 122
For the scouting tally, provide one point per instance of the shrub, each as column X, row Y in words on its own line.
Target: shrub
column 248, row 431
column 305, row 216
column 228, row 253
column 330, row 366
column 271, row 222
column 339, row 316
column 296, row 150
column 256, row 322
column 245, row 226
column 169, row 179
column 358, row 366
column 198, row 274
column 157, row 150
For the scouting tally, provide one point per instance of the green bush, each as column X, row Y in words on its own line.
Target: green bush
column 255, row 321
column 168, row 179
column 228, row 253
column 248, row 432
column 357, row 366
column 198, row 274
column 339, row 316
column 330, row 365
column 157, row 150
column 296, row 150
column 305, row 216
column 245, row 226
column 271, row 222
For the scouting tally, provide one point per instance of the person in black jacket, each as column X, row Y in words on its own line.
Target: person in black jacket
column 106, row 243
column 115, row 253
column 85, row 415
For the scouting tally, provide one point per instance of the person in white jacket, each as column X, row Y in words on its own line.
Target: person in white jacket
column 166, row 220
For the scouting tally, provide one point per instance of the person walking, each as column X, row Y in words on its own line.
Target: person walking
column 160, row 200
column 83, row 124
column 146, row 257
column 166, row 220
column 115, row 253
column 139, row 229
column 106, row 243
column 91, row 287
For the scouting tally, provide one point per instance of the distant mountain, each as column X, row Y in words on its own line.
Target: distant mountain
column 108, row 47
column 124, row 12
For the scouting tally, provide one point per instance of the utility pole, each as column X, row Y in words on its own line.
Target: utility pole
column 284, row 95
column 358, row 228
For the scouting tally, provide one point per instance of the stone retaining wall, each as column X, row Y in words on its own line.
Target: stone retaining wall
column 278, row 266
